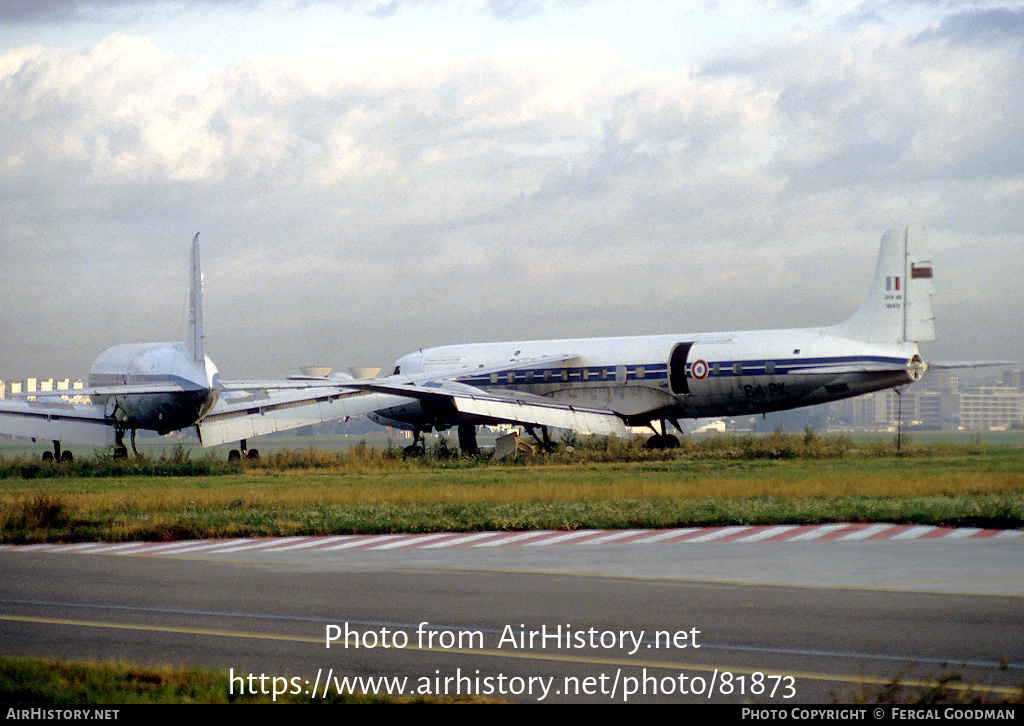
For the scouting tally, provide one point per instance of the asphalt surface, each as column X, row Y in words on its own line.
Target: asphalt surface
column 559, row 620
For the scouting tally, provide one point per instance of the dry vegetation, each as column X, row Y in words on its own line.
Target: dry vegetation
column 604, row 484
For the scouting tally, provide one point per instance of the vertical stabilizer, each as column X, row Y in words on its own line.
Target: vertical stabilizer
column 898, row 307
column 195, row 308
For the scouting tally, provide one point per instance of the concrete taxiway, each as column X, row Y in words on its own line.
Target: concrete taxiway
column 728, row 614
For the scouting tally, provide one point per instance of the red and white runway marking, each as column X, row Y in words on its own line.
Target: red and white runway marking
column 590, row 537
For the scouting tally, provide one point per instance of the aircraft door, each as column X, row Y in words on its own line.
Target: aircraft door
column 677, row 369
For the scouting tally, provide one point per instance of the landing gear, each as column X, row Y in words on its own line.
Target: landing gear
column 664, row 440
column 467, row 440
column 120, row 451
column 417, row 447
column 544, row 440
column 243, row 452
column 65, row 457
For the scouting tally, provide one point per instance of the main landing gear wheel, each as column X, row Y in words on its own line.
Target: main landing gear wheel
column 417, row 447
column 58, row 455
column 662, row 441
column 243, row 452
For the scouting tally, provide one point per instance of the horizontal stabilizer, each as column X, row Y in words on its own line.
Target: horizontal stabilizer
column 953, row 365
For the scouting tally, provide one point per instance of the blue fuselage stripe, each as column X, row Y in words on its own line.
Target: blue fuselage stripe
column 659, row 371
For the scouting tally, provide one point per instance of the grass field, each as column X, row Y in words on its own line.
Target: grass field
column 777, row 478
column 349, row 487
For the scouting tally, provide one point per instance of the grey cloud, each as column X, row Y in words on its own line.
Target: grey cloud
column 984, row 26
column 349, row 214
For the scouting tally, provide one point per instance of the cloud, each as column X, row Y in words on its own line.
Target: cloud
column 985, row 26
column 356, row 203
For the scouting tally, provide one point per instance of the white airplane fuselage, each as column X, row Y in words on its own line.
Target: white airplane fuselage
column 643, row 378
column 191, row 386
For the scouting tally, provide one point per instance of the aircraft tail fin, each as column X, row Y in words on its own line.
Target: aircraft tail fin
column 898, row 307
column 195, row 340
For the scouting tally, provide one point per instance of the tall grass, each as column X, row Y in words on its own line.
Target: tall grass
column 572, row 450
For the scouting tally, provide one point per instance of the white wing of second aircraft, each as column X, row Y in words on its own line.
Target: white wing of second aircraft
column 51, row 417
column 251, row 408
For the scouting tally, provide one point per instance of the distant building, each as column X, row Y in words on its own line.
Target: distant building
column 991, row 407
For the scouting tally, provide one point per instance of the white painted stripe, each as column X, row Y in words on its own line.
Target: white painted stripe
column 766, row 533
column 193, row 546
column 915, row 532
column 515, row 538
column 669, row 534
column 360, row 540
column 724, row 532
column 247, row 545
column 536, row 538
column 310, row 542
column 559, row 539
column 80, row 546
column 464, row 539
column 125, row 548
column 411, row 541
column 613, row 536
column 866, row 532
column 820, row 531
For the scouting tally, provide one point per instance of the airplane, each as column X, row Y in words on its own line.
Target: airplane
column 604, row 385
column 590, row 385
column 163, row 387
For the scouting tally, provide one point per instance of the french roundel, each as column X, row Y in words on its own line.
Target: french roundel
column 699, row 370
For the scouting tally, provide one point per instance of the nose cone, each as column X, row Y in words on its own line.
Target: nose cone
column 916, row 367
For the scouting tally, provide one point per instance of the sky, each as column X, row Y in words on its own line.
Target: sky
column 370, row 177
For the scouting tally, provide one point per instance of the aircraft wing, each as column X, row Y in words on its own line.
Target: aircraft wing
column 51, row 418
column 239, row 415
column 459, row 400
column 118, row 390
column 255, row 386
column 247, row 409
